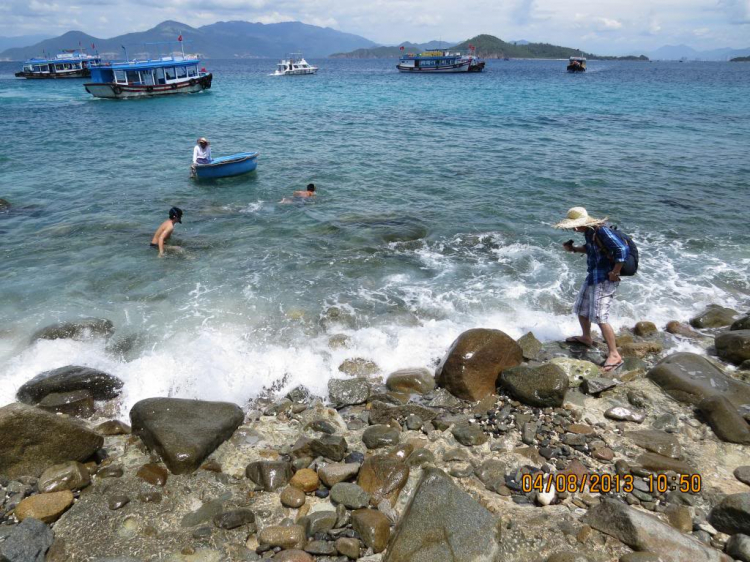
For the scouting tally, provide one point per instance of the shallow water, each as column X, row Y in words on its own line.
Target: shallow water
column 436, row 195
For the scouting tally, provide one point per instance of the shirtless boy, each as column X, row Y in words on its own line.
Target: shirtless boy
column 164, row 231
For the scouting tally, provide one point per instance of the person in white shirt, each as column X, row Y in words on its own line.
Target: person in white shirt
column 202, row 152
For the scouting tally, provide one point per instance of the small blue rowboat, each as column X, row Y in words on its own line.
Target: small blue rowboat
column 227, row 166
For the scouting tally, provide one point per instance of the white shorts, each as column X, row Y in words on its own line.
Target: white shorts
column 593, row 301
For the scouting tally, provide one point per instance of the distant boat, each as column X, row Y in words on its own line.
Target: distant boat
column 73, row 63
column 440, row 62
column 226, row 166
column 577, row 64
column 294, row 65
column 174, row 74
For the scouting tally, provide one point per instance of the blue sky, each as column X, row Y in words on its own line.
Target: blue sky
column 605, row 26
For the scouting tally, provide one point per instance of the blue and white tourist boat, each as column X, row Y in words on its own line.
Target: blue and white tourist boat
column 440, row 62
column 226, row 166
column 73, row 63
column 173, row 74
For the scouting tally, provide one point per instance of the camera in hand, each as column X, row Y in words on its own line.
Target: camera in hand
column 568, row 243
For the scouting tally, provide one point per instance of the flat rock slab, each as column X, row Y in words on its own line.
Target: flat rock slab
column 643, row 532
column 31, row 440
column 101, row 385
column 442, row 523
column 382, row 413
column 656, row 441
column 689, row 378
column 184, row 432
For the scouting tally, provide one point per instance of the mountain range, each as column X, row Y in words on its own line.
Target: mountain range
column 678, row 52
column 230, row 39
column 21, row 41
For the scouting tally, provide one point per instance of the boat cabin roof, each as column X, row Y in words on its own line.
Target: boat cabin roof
column 432, row 55
column 63, row 59
column 579, row 59
column 152, row 63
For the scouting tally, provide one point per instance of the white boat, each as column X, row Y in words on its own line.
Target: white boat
column 294, row 65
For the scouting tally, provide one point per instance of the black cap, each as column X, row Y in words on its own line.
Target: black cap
column 176, row 212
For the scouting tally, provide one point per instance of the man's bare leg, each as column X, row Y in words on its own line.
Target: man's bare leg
column 614, row 358
column 586, row 338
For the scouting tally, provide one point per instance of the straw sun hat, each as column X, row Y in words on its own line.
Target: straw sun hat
column 203, row 140
column 577, row 216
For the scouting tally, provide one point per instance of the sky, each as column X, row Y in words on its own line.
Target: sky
column 601, row 26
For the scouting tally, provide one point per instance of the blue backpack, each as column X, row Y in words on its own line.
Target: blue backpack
column 630, row 267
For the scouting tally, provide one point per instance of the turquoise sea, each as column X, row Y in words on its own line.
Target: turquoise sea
column 436, row 196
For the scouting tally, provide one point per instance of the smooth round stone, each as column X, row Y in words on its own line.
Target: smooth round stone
column 355, row 457
column 153, row 474
column 306, row 480
column 116, row 502
column 350, row 495
column 349, row 547
column 65, row 476
column 110, row 471
column 377, row 436
column 45, row 507
column 742, row 473
column 292, row 497
column 420, row 457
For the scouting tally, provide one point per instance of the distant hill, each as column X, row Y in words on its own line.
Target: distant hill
column 740, row 59
column 21, row 41
column 232, row 39
column 391, row 52
column 679, row 52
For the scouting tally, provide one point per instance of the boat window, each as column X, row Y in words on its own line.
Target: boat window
column 133, row 77
column 159, row 74
column 28, row 68
column 147, row 77
column 121, row 77
column 170, row 73
column 192, row 71
column 181, row 72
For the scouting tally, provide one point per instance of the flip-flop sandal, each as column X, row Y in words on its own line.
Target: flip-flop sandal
column 579, row 341
column 609, row 367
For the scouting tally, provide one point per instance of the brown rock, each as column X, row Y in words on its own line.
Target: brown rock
column 332, row 474
column 679, row 329
column 659, row 463
column 305, row 480
column 645, row 329
column 474, row 361
column 373, row 527
column 79, row 403
column 45, row 507
column 580, row 429
column 656, row 441
column 113, row 427
column 348, row 547
column 603, row 454
column 725, row 420
column 679, row 517
column 383, row 478
column 734, row 346
column 71, row 475
column 292, row 537
column 294, row 555
column 641, row 349
column 292, row 497
column 419, row 381
column 153, row 474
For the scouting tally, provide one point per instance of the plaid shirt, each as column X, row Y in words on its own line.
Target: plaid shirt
column 599, row 265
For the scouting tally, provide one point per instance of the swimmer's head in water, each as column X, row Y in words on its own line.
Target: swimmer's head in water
column 176, row 213
column 311, row 187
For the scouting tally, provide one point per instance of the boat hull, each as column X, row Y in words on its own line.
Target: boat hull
column 463, row 67
column 121, row 91
column 85, row 73
column 299, row 72
column 227, row 166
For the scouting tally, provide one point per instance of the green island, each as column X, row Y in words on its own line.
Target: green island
column 488, row 47
column 740, row 59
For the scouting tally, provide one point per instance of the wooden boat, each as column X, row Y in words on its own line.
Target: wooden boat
column 226, row 166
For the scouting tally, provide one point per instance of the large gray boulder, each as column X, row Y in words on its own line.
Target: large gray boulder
column 474, row 361
column 714, row 316
column 101, row 385
column 734, row 346
column 442, row 523
column 184, row 432
column 543, row 386
column 645, row 533
column 27, row 542
column 732, row 514
column 348, row 392
column 689, row 378
column 725, row 420
column 83, row 329
column 31, row 440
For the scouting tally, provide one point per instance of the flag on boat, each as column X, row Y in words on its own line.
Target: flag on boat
column 93, row 46
column 180, row 37
column 401, row 47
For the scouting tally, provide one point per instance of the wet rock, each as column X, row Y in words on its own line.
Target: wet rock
column 725, row 420
column 742, row 473
column 332, row 447
column 377, row 436
column 659, row 463
column 184, row 432
column 732, row 514
column 4, row 204
column 383, row 478
column 658, row 442
column 714, row 316
column 154, row 474
column 415, row 381
column 679, row 329
column 543, row 386
column 620, row 413
column 27, row 542
column 690, row 378
column 78, row 403
column 118, row 501
column 319, row 522
column 597, row 385
column 83, row 329
column 32, row 440
column 306, row 480
column 373, row 527
column 269, row 475
column 442, row 522
column 741, row 324
column 420, row 457
column 235, row 518
column 350, row 495
column 640, row 349
column 348, row 392
column 332, row 474
column 292, row 497
column 734, row 347
column 530, row 346
column 45, row 507
column 110, row 471
column 491, row 473
column 203, row 514
column 577, row 370
column 113, row 427
column 293, row 555
column 101, row 385
column 738, row 547
column 382, row 413
column 474, row 361
column 679, row 517
column 70, row 475
column 443, row 399
column 292, row 537
column 359, row 367
column 469, row 435
column 348, row 547
column 644, row 532
column 320, row 548
column 644, row 329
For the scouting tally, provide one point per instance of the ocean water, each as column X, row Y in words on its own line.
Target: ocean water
column 436, row 196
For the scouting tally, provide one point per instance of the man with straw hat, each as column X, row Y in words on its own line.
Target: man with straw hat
column 606, row 253
column 202, row 151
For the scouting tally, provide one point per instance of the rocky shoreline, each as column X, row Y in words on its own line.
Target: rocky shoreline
column 512, row 451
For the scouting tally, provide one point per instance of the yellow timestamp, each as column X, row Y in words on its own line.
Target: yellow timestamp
column 603, row 483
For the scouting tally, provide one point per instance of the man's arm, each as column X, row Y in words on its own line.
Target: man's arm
column 195, row 155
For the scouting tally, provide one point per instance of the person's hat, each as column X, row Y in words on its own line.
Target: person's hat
column 203, row 140
column 577, row 216
column 176, row 212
